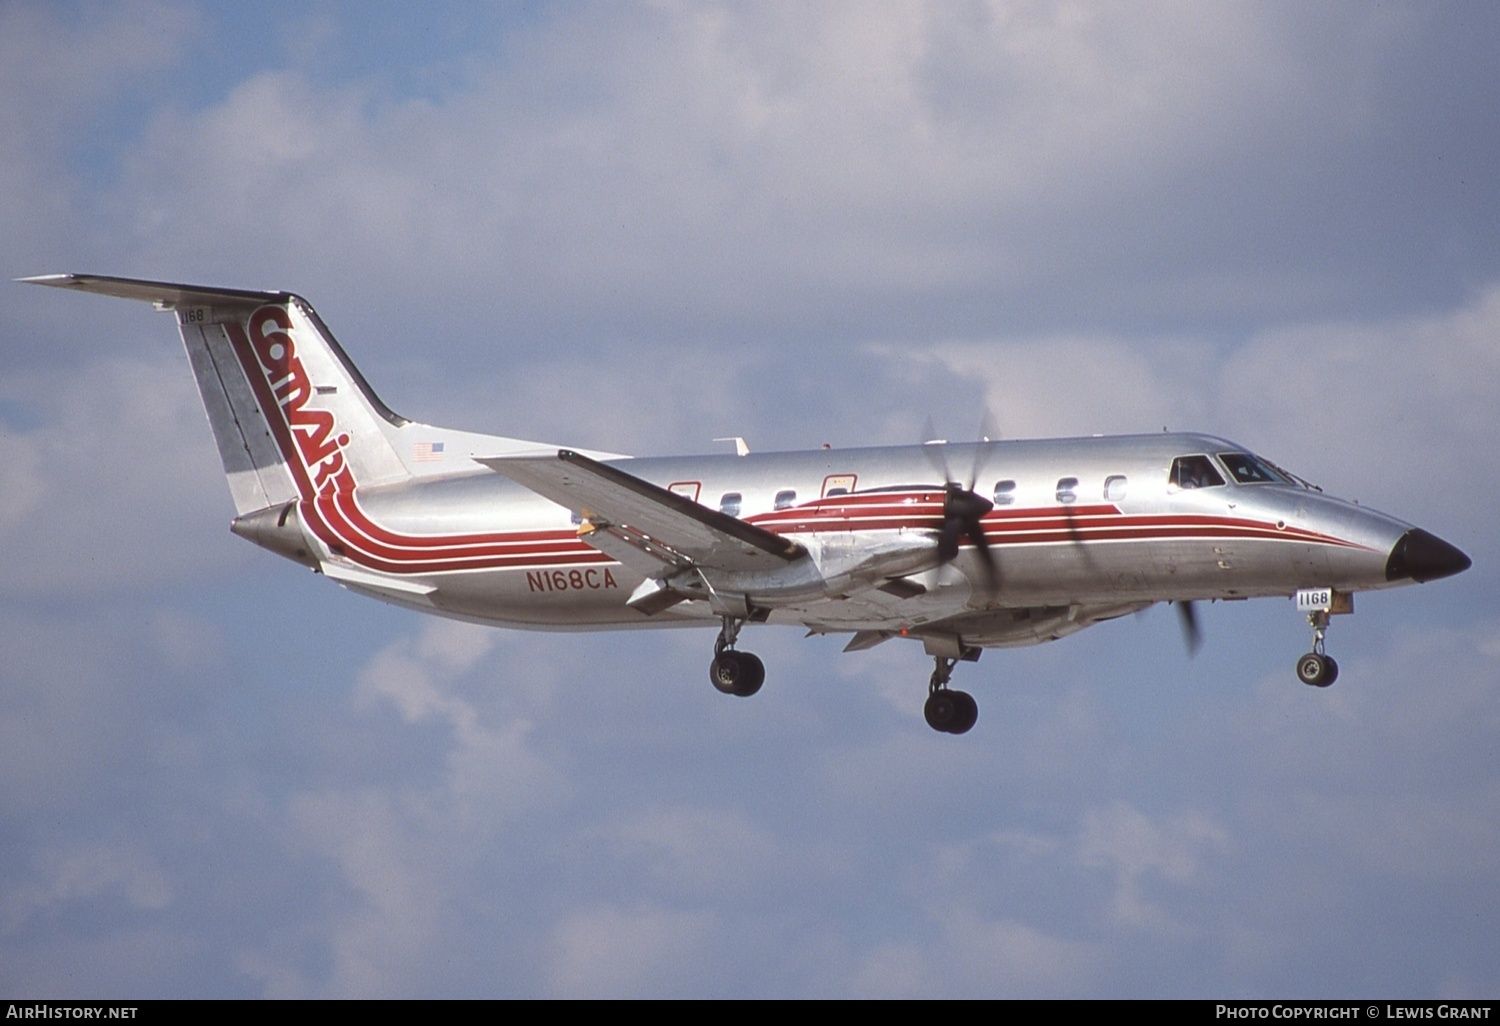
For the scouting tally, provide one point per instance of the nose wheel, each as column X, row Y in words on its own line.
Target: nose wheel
column 1317, row 668
column 733, row 672
column 946, row 710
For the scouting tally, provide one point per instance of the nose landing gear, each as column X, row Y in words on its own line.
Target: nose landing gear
column 1317, row 668
column 734, row 672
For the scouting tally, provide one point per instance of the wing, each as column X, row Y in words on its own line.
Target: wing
column 644, row 525
column 1026, row 625
column 961, row 636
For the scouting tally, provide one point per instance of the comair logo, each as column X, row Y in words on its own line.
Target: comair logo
column 321, row 462
column 311, row 429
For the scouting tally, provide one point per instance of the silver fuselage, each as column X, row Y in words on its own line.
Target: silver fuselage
column 1147, row 542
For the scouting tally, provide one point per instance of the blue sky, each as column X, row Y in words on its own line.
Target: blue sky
column 642, row 227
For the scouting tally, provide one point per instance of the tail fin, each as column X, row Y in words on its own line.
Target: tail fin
column 292, row 416
column 298, row 429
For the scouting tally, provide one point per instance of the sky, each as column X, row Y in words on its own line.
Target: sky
column 641, row 227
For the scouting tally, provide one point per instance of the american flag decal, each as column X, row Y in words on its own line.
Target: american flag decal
column 427, row 452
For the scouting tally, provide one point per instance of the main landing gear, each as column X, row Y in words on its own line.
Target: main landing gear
column 734, row 672
column 1317, row 667
column 952, row 712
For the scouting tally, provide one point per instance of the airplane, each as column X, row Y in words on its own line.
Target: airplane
column 1037, row 540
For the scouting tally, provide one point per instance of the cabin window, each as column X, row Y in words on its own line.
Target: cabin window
column 1114, row 487
column 1005, row 493
column 1067, row 490
column 576, row 517
column 730, row 503
column 1194, row 472
column 1246, row 469
column 785, row 499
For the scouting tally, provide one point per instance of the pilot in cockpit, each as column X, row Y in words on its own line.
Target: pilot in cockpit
column 1194, row 472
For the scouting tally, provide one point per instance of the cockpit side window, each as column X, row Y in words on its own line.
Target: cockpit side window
column 1194, row 472
column 1247, row 469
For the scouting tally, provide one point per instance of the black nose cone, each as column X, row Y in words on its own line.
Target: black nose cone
column 1424, row 557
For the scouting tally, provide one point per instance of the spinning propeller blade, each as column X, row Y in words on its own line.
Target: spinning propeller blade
column 1191, row 635
column 964, row 509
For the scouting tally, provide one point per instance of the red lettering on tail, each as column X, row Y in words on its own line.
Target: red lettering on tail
column 315, row 448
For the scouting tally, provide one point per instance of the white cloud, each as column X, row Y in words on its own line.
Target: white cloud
column 1402, row 408
column 1061, row 387
column 65, row 710
column 404, row 851
column 1140, row 852
column 402, row 894
column 652, row 406
column 118, row 485
column 639, row 951
column 975, row 956
column 63, row 73
column 1390, row 771
column 741, row 166
column 701, row 851
column 89, row 874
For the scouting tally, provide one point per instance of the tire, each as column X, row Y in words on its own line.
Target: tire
column 753, row 675
column 1316, row 670
column 726, row 672
column 737, row 673
column 968, row 713
column 941, row 711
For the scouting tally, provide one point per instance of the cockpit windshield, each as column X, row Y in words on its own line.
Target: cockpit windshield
column 1248, row 469
column 1194, row 472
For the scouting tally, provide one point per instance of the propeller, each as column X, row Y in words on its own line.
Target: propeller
column 1187, row 615
column 964, row 509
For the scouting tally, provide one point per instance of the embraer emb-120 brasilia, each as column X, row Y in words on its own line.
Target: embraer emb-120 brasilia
column 874, row 543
